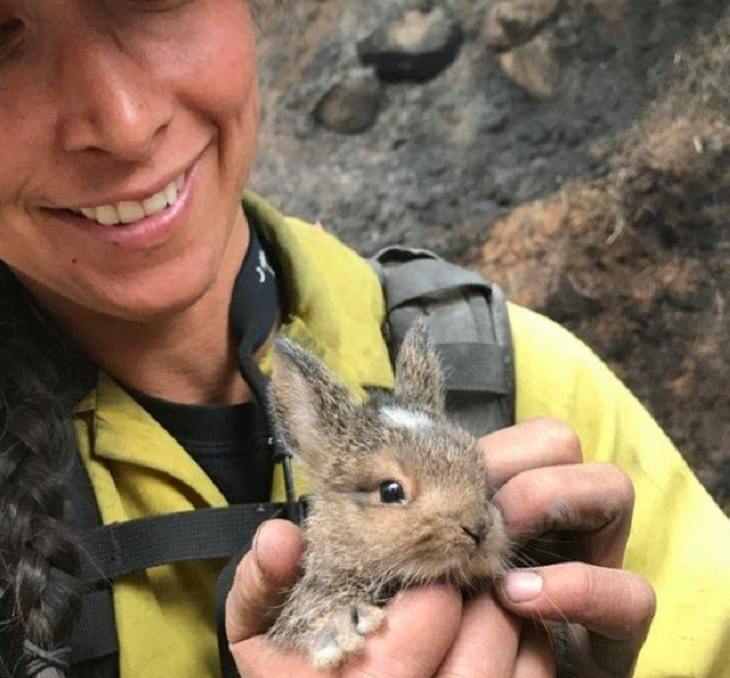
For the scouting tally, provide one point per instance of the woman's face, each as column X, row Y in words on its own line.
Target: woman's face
column 143, row 114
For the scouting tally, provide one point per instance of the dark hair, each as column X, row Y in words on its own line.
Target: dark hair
column 39, row 556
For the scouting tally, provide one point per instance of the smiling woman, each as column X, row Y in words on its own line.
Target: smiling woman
column 106, row 124
column 124, row 156
column 138, row 297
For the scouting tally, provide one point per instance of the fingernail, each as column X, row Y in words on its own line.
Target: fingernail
column 520, row 587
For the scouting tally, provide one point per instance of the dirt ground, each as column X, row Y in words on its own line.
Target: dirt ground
column 586, row 168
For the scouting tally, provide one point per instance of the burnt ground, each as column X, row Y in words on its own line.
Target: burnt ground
column 595, row 188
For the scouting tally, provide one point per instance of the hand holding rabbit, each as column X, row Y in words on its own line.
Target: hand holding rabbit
column 402, row 497
column 428, row 628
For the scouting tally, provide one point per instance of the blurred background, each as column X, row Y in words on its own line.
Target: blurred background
column 575, row 151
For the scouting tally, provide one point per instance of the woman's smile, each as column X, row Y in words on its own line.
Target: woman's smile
column 138, row 220
column 121, row 184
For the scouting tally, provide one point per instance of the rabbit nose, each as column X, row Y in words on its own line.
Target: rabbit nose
column 477, row 532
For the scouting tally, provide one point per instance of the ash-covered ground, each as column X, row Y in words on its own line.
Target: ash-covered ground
column 577, row 151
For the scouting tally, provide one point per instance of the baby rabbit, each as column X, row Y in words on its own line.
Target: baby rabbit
column 402, row 497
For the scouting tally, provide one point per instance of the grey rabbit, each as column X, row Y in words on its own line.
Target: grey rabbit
column 402, row 497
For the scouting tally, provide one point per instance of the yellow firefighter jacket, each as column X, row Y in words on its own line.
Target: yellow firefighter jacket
column 680, row 538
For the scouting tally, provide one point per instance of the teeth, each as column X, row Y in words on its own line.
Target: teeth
column 171, row 193
column 107, row 215
column 130, row 211
column 155, row 204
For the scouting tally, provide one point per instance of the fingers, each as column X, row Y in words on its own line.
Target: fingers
column 532, row 444
column 536, row 658
column 616, row 606
column 487, row 644
column 597, row 499
column 268, row 568
column 257, row 657
column 421, row 626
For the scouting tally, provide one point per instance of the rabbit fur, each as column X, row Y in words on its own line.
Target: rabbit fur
column 362, row 548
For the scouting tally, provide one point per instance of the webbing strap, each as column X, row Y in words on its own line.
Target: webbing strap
column 112, row 551
column 473, row 367
column 423, row 278
column 222, row 588
column 93, row 640
column 123, row 548
column 467, row 320
column 95, row 634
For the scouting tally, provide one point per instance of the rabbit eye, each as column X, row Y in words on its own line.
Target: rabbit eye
column 391, row 492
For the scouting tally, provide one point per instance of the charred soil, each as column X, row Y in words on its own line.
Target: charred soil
column 576, row 151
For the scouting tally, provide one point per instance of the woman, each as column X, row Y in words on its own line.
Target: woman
column 128, row 130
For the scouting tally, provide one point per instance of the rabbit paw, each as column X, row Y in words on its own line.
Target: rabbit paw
column 342, row 633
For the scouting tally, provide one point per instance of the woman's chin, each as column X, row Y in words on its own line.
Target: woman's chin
column 151, row 303
column 138, row 297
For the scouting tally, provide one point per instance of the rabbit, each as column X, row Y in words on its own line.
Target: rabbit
column 402, row 496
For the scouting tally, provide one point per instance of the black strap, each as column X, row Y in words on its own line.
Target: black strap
column 124, row 548
column 94, row 637
column 222, row 587
column 95, row 634
column 259, row 386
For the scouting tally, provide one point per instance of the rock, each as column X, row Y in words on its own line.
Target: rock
column 352, row 105
column 511, row 23
column 494, row 121
column 533, row 66
column 416, row 46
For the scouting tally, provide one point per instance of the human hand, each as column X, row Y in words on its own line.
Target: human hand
column 421, row 624
column 544, row 489
column 424, row 625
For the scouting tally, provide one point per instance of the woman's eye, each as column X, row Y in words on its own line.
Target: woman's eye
column 391, row 492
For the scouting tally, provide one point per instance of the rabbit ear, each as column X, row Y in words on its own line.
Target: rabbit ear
column 419, row 378
column 310, row 406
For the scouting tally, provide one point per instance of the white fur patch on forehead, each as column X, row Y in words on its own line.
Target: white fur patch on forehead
column 403, row 418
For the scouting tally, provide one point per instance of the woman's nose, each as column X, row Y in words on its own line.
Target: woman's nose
column 109, row 102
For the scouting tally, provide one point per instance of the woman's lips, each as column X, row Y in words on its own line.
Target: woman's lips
column 148, row 232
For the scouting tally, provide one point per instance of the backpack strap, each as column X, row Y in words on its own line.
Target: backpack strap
column 467, row 319
column 112, row 551
column 94, row 647
column 119, row 549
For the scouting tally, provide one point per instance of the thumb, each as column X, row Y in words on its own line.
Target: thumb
column 261, row 577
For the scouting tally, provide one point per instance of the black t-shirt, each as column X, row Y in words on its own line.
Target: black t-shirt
column 231, row 442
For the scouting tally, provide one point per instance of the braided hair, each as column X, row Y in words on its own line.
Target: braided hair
column 40, row 377
column 39, row 556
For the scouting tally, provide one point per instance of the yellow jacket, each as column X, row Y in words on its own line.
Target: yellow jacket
column 680, row 539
